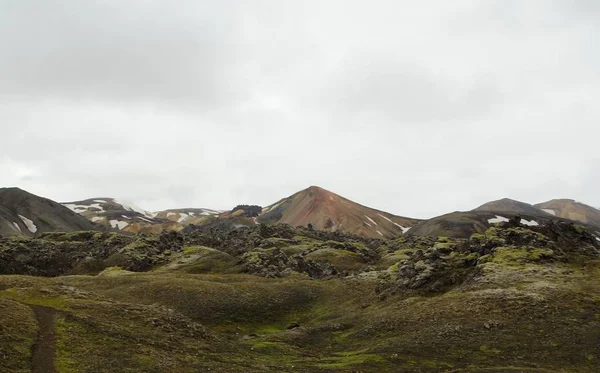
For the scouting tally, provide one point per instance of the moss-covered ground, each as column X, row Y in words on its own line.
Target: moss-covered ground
column 524, row 304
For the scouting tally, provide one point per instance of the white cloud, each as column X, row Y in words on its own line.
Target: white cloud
column 413, row 108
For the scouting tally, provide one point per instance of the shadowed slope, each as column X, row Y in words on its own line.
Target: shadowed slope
column 25, row 214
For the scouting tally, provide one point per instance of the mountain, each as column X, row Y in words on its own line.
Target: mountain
column 188, row 216
column 507, row 204
column 274, row 299
column 571, row 209
column 464, row 224
column 115, row 214
column 128, row 217
column 25, row 214
column 328, row 211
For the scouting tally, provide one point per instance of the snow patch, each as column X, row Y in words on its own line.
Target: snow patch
column 17, row 226
column 531, row 223
column 126, row 217
column 169, row 214
column 96, row 219
column 144, row 219
column 550, row 211
column 29, row 223
column 404, row 229
column 182, row 217
column 100, row 201
column 498, row 219
column 132, row 207
column 264, row 211
column 368, row 224
column 81, row 208
column 119, row 224
column 371, row 220
column 192, row 213
column 386, row 218
column 379, row 233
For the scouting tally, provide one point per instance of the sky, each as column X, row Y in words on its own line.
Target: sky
column 415, row 108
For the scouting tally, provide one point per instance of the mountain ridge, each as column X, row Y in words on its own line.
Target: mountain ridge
column 24, row 213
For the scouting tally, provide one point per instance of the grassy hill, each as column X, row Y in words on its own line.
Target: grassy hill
column 277, row 298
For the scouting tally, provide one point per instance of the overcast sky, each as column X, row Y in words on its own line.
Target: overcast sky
column 416, row 108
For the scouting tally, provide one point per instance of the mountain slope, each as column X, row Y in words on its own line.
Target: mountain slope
column 507, row 204
column 23, row 213
column 328, row 211
column 464, row 224
column 113, row 213
column 571, row 209
column 188, row 216
column 127, row 217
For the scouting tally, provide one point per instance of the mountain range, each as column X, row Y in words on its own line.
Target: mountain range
column 22, row 213
column 313, row 282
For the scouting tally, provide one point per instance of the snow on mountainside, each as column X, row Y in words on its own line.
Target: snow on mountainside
column 571, row 209
column 325, row 210
column 126, row 216
column 25, row 214
column 114, row 213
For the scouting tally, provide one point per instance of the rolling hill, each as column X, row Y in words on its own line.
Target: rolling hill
column 464, row 224
column 507, row 204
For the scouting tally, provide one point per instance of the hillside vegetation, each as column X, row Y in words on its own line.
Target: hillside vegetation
column 514, row 298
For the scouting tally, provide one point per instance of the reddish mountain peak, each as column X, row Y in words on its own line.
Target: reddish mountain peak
column 326, row 210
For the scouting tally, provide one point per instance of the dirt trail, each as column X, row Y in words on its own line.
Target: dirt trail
column 44, row 348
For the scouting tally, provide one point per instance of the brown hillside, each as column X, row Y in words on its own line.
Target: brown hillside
column 507, row 204
column 325, row 210
column 571, row 209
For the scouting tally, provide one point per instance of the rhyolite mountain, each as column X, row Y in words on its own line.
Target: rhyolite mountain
column 315, row 207
column 128, row 217
column 116, row 214
column 325, row 210
column 571, row 209
column 320, row 208
column 25, row 214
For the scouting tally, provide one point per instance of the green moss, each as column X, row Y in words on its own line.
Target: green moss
column 489, row 350
column 18, row 329
column 341, row 259
column 349, row 359
column 114, row 271
column 471, row 257
column 64, row 361
column 485, row 259
column 477, row 237
column 28, row 296
column 514, row 255
column 191, row 250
